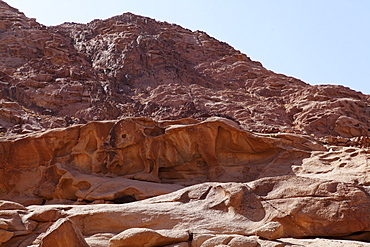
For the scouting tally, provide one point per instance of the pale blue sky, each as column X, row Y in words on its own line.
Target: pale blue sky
column 317, row 41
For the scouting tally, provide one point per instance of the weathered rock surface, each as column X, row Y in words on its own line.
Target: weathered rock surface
column 210, row 213
column 137, row 237
column 321, row 242
column 94, row 161
column 62, row 233
column 131, row 65
column 133, row 132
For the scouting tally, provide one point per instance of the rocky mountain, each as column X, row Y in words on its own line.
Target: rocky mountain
column 134, row 132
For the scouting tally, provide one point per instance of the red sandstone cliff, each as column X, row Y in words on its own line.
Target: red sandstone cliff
column 130, row 65
column 214, row 149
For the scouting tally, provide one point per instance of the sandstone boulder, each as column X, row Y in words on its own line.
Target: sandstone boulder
column 231, row 241
column 142, row 237
column 5, row 236
column 62, row 233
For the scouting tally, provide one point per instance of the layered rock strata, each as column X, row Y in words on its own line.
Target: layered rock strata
column 133, row 132
column 84, row 162
column 134, row 66
column 259, row 213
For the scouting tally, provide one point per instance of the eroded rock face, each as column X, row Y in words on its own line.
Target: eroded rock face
column 131, row 65
column 95, row 161
column 133, row 132
column 210, row 213
column 62, row 233
column 84, row 170
column 137, row 237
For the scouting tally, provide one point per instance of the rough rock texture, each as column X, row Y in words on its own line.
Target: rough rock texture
column 210, row 213
column 94, row 161
column 62, row 233
column 137, row 237
column 133, row 132
column 130, row 65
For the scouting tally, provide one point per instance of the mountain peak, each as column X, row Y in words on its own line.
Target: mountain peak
column 11, row 18
column 131, row 65
column 225, row 151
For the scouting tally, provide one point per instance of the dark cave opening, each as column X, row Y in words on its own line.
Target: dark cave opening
column 124, row 199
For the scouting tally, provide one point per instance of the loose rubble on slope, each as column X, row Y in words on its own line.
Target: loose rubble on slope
column 134, row 132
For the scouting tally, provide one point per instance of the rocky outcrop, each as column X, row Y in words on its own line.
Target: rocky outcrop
column 207, row 214
column 95, row 161
column 134, row 132
column 131, row 66
column 328, row 110
column 62, row 233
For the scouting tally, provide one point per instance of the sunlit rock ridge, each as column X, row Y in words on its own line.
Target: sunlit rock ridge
column 133, row 132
